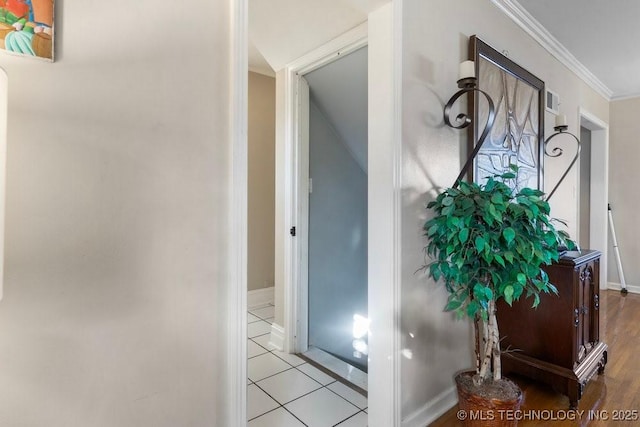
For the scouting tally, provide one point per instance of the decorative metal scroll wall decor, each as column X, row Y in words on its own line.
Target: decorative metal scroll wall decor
column 561, row 129
column 511, row 109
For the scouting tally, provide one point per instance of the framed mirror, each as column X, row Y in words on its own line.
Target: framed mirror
column 517, row 136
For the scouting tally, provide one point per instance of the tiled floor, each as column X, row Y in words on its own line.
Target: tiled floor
column 285, row 391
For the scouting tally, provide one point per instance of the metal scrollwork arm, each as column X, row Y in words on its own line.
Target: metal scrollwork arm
column 557, row 152
column 463, row 120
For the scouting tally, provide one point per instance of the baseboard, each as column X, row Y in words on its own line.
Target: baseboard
column 633, row 289
column 259, row 297
column 433, row 410
column 277, row 337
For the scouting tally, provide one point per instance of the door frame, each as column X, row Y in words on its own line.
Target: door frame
column 296, row 307
column 383, row 31
column 599, row 191
column 234, row 409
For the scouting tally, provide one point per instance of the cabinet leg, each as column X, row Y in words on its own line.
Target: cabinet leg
column 574, row 393
column 602, row 363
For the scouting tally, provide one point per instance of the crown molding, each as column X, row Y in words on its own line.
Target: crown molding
column 625, row 96
column 529, row 24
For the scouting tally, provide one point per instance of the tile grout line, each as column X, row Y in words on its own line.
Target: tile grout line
column 280, row 404
column 339, row 395
column 348, row 418
column 272, row 351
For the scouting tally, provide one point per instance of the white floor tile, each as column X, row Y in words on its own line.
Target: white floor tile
column 270, row 320
column 316, row 374
column 251, row 318
column 278, row 418
column 348, row 393
column 263, row 340
column 288, row 385
column 321, row 408
column 265, row 312
column 254, row 349
column 358, row 420
column 264, row 366
column 258, row 402
column 291, row 359
column 258, row 328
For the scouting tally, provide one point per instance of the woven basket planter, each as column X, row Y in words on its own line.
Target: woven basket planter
column 478, row 411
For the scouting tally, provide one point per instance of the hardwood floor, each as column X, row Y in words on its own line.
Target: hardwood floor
column 611, row 396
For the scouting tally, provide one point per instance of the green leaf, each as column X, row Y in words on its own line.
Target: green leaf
column 509, row 234
column 447, row 201
column 508, row 294
column 499, row 260
column 453, row 304
column 435, row 272
column 464, row 235
column 509, row 257
column 488, row 293
column 472, row 308
column 536, row 300
column 517, row 291
column 492, row 211
column 522, row 279
column 432, row 230
column 480, row 242
column 478, row 291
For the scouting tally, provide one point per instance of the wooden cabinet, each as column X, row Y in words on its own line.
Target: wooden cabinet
column 558, row 343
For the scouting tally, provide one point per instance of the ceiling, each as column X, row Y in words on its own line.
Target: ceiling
column 282, row 31
column 602, row 35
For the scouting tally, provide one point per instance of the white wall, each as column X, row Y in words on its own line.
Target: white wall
column 261, row 197
column 117, row 201
column 435, row 40
column 623, row 194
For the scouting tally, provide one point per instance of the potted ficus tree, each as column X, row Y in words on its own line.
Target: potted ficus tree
column 488, row 242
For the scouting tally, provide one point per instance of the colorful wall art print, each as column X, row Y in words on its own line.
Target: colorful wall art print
column 26, row 27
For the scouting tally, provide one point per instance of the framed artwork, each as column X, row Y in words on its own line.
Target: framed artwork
column 517, row 136
column 26, row 27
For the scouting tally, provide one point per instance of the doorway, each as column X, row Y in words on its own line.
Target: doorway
column 598, row 185
column 333, row 103
column 584, row 210
column 384, row 200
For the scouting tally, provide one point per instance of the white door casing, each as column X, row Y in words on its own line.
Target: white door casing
column 383, row 36
column 598, row 230
column 294, row 177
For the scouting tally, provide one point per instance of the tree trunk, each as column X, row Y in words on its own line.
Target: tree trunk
column 497, row 363
column 491, row 364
